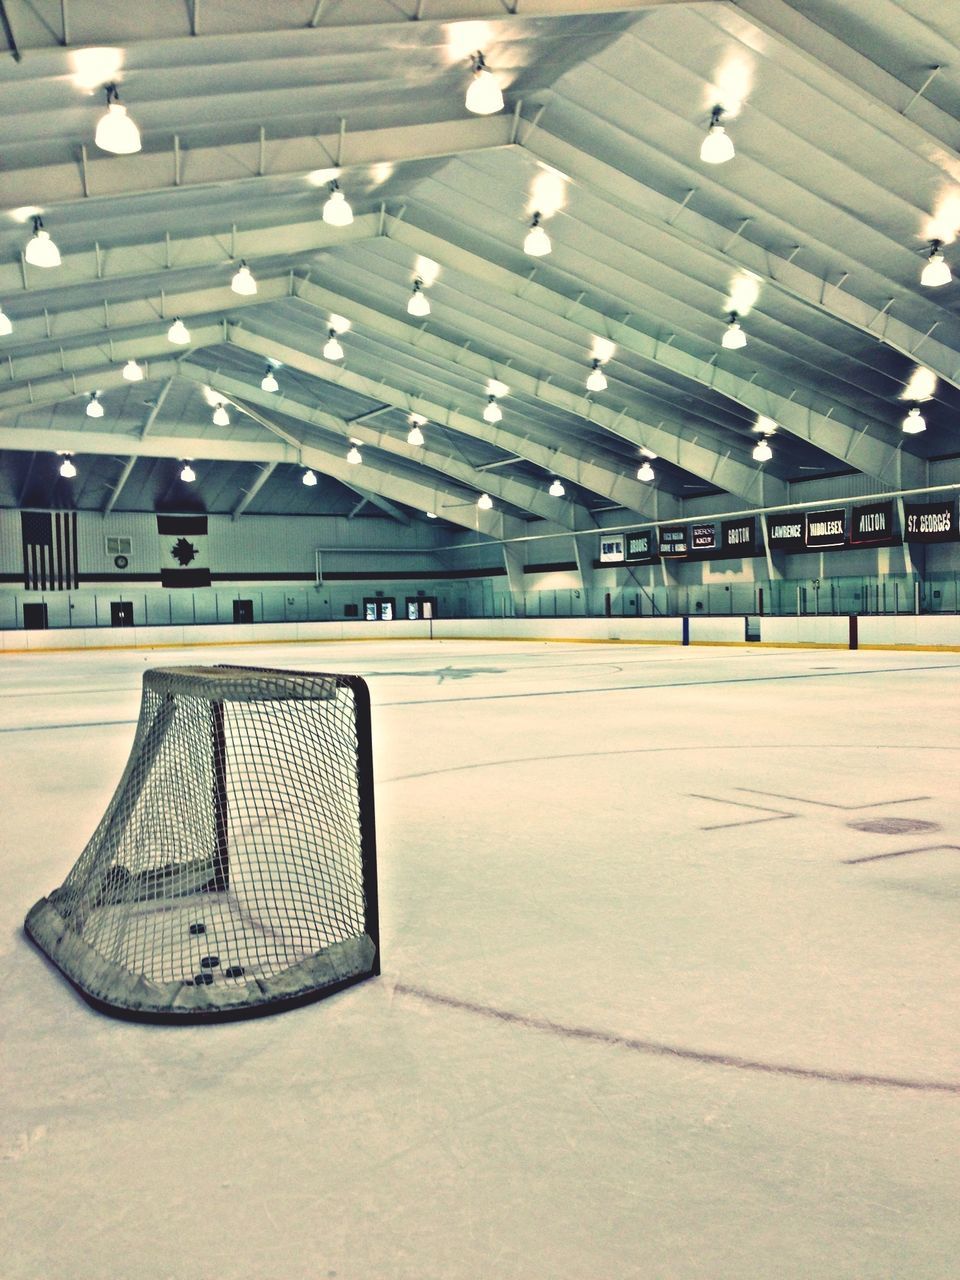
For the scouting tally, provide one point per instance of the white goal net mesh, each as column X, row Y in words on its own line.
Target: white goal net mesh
column 234, row 869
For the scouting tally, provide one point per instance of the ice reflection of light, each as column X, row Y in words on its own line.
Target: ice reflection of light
column 731, row 85
column 548, row 192
column 427, row 270
column 93, row 68
column 922, row 385
column 602, row 349
column 944, row 223
column 744, row 291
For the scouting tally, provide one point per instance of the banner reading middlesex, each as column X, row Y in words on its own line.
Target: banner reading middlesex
column 930, row 521
column 826, row 528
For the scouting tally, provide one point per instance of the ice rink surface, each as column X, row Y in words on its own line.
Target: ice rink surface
column 670, row 985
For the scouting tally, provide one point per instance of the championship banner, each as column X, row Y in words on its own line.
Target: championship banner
column 825, row 528
column 49, row 541
column 739, row 537
column 641, row 547
column 673, row 540
column 183, row 551
column 930, row 521
column 873, row 523
column 785, row 533
column 611, row 550
column 703, row 537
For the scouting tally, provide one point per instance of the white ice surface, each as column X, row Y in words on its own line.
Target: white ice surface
column 589, row 855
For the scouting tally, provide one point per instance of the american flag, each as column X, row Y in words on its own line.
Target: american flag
column 49, row 550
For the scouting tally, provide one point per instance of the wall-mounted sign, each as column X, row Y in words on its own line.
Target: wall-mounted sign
column 825, row 528
column 873, row 523
column 641, row 546
column 930, row 521
column 673, row 540
column 611, row 549
column 739, row 537
column 703, row 537
column 785, row 533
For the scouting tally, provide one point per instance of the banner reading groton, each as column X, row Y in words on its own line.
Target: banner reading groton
column 183, row 551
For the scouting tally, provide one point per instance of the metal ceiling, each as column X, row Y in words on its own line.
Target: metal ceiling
column 845, row 118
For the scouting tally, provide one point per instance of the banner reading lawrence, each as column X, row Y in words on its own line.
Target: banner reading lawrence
column 930, row 521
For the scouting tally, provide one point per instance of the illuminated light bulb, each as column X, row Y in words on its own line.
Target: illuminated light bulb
column 493, row 412
column 914, row 422
column 936, row 271
column 596, row 379
column 336, row 211
column 6, row 327
column 483, row 96
column 116, row 132
column 354, row 457
column 419, row 303
column 431, row 515
column 220, row 416
column 645, row 472
column 243, row 282
column 716, row 146
column 332, row 349
column 556, row 490
column 132, row 372
column 67, row 469
column 415, row 435
column 762, row 451
column 485, row 502
column 309, row 479
column 268, row 382
column 40, row 250
column 187, row 473
column 537, row 242
column 94, row 407
column 179, row 333
column 733, row 336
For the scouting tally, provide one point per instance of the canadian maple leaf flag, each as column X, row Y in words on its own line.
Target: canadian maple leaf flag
column 183, row 551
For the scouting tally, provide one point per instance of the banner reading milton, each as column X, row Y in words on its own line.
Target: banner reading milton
column 183, row 551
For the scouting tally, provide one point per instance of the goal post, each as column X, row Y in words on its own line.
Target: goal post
column 234, row 870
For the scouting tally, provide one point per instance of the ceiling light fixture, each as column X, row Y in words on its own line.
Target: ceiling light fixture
column 415, row 434
column 220, row 416
column 40, row 250
column 733, row 336
column 187, row 473
column 94, row 407
column 269, row 382
column 309, row 478
column 431, row 515
column 537, row 242
column 936, row 271
column 485, row 502
column 596, row 379
column 179, row 333
column 6, row 327
column 914, row 422
column 354, row 456
column 67, row 469
column 116, row 132
column 716, row 146
column 645, row 472
column 556, row 490
column 131, row 371
column 493, row 412
column 762, row 451
column 243, row 282
column 483, row 96
column 419, row 303
column 332, row 349
column 336, row 211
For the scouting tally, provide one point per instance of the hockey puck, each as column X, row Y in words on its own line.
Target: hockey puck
column 198, row 928
column 209, row 962
column 203, row 979
column 235, row 971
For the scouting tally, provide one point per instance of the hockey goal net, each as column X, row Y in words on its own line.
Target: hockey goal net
column 234, row 871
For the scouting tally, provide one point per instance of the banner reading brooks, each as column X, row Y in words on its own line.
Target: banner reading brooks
column 183, row 551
